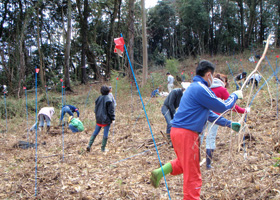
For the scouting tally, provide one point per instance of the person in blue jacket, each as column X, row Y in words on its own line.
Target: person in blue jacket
column 70, row 109
column 196, row 107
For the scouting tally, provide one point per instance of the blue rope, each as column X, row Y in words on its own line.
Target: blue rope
column 47, row 95
column 274, row 73
column 237, row 86
column 6, row 111
column 263, row 68
column 135, row 155
column 62, row 123
column 64, row 95
column 273, row 69
column 36, row 127
column 26, row 115
column 141, row 111
column 147, row 119
column 114, row 105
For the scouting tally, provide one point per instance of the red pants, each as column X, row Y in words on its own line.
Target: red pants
column 186, row 147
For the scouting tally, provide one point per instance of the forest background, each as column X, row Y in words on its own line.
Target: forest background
column 73, row 40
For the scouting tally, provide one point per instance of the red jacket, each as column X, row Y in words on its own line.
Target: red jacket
column 223, row 94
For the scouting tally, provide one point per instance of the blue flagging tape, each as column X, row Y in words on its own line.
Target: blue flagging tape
column 135, row 155
column 6, row 112
column 36, row 132
column 47, row 95
column 27, row 116
column 62, row 123
column 147, row 118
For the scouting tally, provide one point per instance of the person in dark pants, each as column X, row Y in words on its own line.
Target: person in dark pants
column 68, row 109
column 238, row 79
column 169, row 107
column 104, row 115
column 256, row 78
column 75, row 125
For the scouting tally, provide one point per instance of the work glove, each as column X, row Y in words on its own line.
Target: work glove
column 235, row 126
column 247, row 110
column 113, row 122
column 238, row 94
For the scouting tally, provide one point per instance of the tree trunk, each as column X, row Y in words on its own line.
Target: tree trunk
column 240, row 4
column 22, row 64
column 67, row 47
column 39, row 50
column 251, row 23
column 84, row 29
column 110, row 39
column 144, row 44
column 130, row 36
column 261, row 33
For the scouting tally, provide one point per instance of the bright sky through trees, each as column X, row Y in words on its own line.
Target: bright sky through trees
column 150, row 3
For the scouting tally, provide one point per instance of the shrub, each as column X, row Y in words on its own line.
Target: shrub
column 172, row 66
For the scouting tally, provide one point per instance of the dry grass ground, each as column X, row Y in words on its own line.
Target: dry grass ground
column 123, row 172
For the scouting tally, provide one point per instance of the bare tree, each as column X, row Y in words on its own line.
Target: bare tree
column 39, row 49
column 144, row 44
column 131, row 31
column 67, row 47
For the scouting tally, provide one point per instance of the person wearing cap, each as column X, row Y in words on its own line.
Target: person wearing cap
column 70, row 109
column 170, row 81
column 75, row 124
column 112, row 96
column 45, row 115
column 196, row 107
column 238, row 79
column 104, row 115
column 171, row 103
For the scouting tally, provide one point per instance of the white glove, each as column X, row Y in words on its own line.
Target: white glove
column 113, row 122
column 238, row 94
column 247, row 110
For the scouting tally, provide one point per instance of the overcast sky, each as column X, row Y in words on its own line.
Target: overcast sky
column 150, row 3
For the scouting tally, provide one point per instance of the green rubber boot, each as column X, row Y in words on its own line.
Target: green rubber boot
column 156, row 175
column 104, row 142
column 91, row 140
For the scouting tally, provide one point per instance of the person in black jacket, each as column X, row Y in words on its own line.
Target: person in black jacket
column 104, row 115
column 169, row 107
column 238, row 79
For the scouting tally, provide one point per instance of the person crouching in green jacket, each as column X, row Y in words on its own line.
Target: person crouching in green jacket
column 75, row 124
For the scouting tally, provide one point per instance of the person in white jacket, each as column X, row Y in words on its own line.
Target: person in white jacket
column 45, row 114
